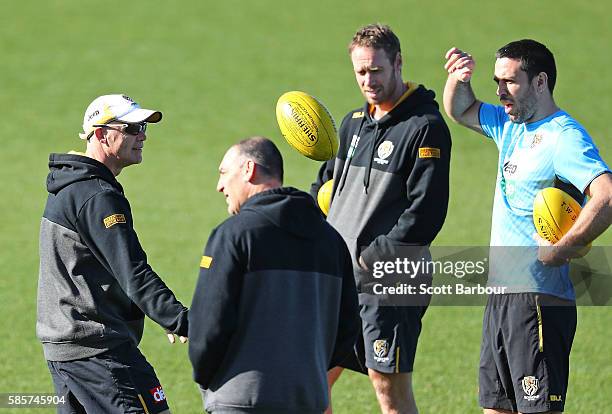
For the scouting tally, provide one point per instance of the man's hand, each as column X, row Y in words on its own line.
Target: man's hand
column 459, row 100
column 460, row 64
column 172, row 339
column 557, row 254
column 548, row 253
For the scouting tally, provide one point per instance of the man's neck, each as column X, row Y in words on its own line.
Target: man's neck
column 545, row 109
column 260, row 188
column 99, row 155
column 385, row 107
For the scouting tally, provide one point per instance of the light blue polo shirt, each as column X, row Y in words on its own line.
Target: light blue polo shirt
column 530, row 157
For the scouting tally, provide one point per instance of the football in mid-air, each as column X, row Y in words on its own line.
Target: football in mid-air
column 554, row 213
column 324, row 196
column 307, row 125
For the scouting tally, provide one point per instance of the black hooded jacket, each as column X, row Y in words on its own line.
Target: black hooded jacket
column 95, row 284
column 274, row 308
column 391, row 177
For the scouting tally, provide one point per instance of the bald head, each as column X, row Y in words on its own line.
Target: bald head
column 249, row 167
column 265, row 154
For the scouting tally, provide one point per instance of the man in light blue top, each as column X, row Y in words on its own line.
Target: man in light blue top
column 528, row 332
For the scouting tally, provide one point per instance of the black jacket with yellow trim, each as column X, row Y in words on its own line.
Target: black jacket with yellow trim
column 95, row 284
column 391, row 177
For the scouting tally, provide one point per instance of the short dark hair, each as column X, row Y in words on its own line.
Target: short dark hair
column 377, row 36
column 265, row 154
column 535, row 58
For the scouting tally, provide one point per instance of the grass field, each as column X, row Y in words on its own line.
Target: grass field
column 216, row 69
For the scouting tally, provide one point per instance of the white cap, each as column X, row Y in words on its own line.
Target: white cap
column 120, row 108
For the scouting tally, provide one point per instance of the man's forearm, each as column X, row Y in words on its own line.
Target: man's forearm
column 458, row 98
column 594, row 219
column 459, row 101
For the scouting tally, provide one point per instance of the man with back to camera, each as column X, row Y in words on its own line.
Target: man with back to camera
column 391, row 188
column 528, row 333
column 95, row 284
column 275, row 305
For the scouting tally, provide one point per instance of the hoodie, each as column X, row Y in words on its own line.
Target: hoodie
column 274, row 308
column 391, row 177
column 95, row 284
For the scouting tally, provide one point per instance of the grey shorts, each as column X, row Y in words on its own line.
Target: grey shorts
column 389, row 338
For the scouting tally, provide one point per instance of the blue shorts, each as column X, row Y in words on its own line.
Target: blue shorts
column 119, row 380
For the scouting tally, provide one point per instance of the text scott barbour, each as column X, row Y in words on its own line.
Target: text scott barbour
column 425, row 289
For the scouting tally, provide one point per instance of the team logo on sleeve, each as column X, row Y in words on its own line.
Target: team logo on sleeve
column 427, row 152
column 530, row 386
column 381, row 350
column 206, row 262
column 384, row 150
column 113, row 219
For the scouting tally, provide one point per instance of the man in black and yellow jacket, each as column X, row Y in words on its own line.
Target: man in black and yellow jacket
column 275, row 305
column 95, row 285
column 391, row 189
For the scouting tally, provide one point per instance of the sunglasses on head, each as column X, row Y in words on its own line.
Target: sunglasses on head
column 130, row 129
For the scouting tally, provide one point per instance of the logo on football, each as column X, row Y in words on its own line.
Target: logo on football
column 307, row 125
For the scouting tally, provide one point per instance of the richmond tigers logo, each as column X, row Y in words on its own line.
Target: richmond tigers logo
column 381, row 348
column 530, row 386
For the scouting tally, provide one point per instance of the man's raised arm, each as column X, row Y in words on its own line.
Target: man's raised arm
column 460, row 103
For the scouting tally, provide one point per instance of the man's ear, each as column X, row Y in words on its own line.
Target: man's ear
column 398, row 61
column 541, row 82
column 248, row 171
column 99, row 134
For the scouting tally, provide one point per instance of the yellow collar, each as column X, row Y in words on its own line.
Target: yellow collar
column 412, row 86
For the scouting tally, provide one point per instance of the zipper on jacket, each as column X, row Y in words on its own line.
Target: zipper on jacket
column 374, row 144
column 349, row 156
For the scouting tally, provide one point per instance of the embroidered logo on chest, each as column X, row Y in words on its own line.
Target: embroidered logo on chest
column 537, row 138
column 384, row 151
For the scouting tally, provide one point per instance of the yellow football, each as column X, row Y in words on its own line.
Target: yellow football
column 324, row 196
column 307, row 125
column 554, row 213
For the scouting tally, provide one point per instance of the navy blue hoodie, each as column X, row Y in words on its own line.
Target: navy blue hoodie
column 274, row 308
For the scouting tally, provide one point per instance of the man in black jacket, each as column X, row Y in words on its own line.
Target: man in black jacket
column 275, row 305
column 95, row 285
column 391, row 187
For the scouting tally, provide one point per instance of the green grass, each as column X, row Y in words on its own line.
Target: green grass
column 216, row 70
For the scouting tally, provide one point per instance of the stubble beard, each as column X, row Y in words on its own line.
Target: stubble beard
column 526, row 108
